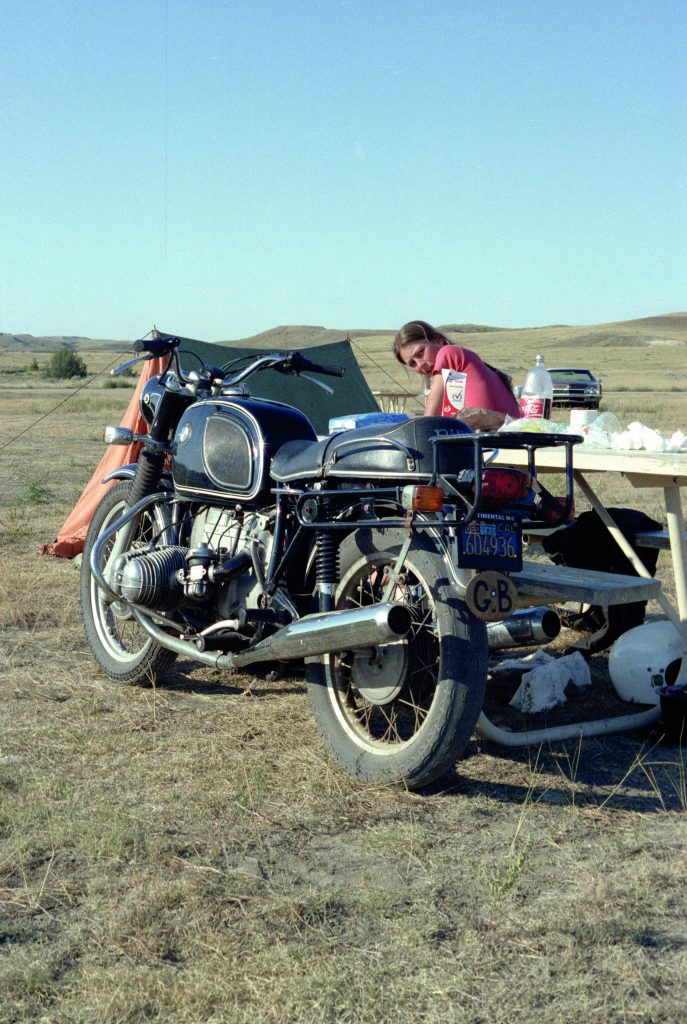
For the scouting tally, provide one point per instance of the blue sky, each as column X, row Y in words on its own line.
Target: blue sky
column 220, row 168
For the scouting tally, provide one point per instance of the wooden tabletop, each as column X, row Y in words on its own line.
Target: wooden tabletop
column 644, row 469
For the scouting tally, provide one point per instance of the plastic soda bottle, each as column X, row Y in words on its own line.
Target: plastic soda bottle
column 537, row 393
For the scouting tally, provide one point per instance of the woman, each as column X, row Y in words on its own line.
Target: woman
column 462, row 385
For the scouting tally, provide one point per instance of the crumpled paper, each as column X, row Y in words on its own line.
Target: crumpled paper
column 543, row 686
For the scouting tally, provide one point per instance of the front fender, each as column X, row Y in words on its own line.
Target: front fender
column 127, row 473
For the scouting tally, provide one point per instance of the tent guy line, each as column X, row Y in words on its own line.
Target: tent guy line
column 382, row 369
column 92, row 377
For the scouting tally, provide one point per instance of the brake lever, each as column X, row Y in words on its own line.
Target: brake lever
column 127, row 366
column 320, row 383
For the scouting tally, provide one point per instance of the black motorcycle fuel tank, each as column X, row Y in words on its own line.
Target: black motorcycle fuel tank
column 224, row 447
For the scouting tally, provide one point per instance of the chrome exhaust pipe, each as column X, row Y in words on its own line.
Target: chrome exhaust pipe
column 313, row 635
column 325, row 632
column 525, row 628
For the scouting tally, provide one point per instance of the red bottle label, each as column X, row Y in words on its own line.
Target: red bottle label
column 534, row 407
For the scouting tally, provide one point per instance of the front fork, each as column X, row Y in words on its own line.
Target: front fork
column 144, row 484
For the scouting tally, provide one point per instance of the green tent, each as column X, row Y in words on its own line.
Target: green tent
column 351, row 392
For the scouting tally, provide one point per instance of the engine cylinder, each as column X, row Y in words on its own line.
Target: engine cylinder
column 149, row 579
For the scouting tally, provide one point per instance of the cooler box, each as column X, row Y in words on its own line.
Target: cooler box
column 365, row 419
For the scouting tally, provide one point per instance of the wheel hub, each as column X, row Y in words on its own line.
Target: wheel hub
column 380, row 677
column 121, row 610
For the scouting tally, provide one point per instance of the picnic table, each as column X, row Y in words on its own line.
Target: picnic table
column 544, row 584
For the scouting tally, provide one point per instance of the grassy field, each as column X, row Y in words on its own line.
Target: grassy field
column 191, row 854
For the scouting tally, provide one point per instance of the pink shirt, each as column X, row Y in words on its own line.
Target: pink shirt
column 470, row 384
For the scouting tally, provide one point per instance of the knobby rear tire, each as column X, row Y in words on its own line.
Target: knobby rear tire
column 432, row 685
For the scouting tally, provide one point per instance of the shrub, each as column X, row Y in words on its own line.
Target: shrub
column 65, row 363
column 34, row 492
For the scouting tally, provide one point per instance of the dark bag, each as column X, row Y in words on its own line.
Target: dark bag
column 587, row 544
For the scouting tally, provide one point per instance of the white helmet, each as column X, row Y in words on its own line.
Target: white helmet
column 645, row 659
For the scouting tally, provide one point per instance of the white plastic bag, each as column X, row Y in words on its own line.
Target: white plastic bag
column 544, row 686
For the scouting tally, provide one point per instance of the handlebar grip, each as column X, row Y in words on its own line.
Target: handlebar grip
column 156, row 346
column 329, row 371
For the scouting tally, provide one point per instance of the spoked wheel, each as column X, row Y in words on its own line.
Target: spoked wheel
column 120, row 645
column 402, row 711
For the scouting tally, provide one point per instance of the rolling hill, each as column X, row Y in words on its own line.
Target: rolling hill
column 668, row 329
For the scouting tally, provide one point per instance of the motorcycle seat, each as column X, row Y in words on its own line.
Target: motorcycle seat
column 394, row 451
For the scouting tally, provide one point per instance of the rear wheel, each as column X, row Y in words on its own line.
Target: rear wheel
column 121, row 647
column 405, row 711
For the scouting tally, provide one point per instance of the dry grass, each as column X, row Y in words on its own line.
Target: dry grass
column 190, row 853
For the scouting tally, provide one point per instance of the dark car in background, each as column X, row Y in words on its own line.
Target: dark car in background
column 576, row 388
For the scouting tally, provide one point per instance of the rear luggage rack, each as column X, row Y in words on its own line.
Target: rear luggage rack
column 482, row 445
column 495, row 441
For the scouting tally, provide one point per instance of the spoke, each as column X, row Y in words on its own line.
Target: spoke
column 424, row 622
column 419, row 712
column 365, row 713
column 423, row 668
column 392, row 727
column 417, row 698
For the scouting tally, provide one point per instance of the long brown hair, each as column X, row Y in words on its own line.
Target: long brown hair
column 416, row 330
column 420, row 330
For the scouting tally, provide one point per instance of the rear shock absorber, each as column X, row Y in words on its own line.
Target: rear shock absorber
column 327, row 567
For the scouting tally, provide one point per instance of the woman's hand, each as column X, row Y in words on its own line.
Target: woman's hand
column 477, row 419
column 435, row 398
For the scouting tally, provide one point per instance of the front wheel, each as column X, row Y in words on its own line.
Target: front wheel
column 121, row 647
column 405, row 711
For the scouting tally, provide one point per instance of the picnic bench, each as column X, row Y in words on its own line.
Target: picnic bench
column 545, row 583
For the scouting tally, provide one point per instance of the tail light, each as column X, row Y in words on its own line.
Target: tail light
column 423, row 499
column 505, row 484
column 553, row 510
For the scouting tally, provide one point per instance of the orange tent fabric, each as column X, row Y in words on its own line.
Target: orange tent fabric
column 70, row 539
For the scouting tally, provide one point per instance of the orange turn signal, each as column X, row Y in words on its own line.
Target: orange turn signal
column 423, row 499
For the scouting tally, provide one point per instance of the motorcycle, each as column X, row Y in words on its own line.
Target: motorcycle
column 376, row 556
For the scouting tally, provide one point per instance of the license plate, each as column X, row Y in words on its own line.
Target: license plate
column 490, row 541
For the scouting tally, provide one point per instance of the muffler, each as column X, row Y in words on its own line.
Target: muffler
column 313, row 635
column 525, row 628
column 325, row 632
